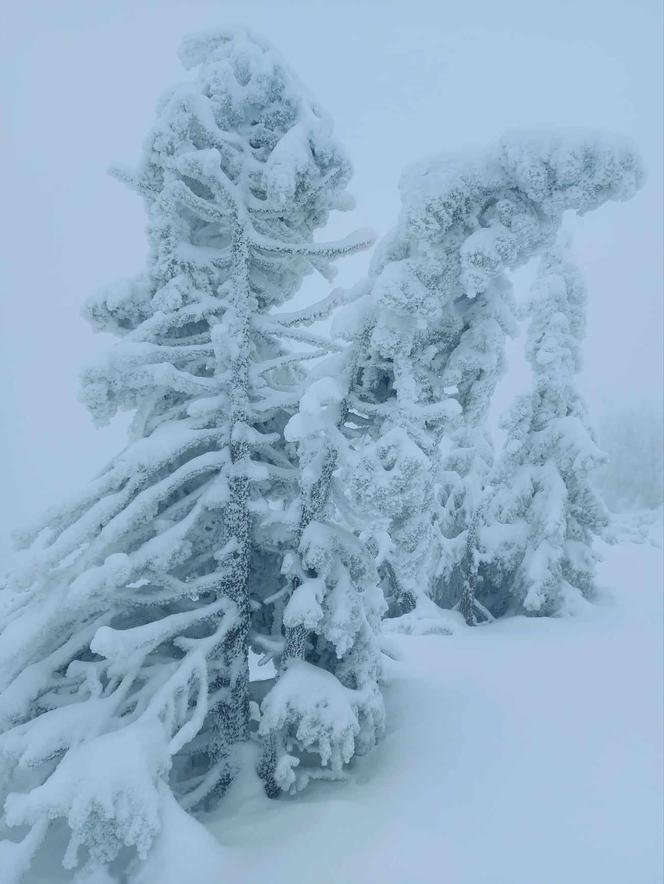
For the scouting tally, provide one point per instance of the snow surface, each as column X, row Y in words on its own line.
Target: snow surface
column 525, row 751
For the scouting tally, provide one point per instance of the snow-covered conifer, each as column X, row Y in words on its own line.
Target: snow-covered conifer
column 399, row 402
column 440, row 306
column 125, row 627
column 326, row 705
column 542, row 513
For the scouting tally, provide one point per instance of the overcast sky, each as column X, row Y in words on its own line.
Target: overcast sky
column 402, row 79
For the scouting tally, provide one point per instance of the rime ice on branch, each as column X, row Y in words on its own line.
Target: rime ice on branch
column 432, row 340
column 126, row 626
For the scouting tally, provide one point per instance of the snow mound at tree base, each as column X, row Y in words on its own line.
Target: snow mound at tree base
column 426, row 618
column 183, row 851
column 638, row 526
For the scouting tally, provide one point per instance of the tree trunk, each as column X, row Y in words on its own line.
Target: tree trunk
column 230, row 671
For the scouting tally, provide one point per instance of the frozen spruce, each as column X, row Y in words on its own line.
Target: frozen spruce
column 400, row 408
column 428, row 333
column 326, row 706
column 126, row 625
column 441, row 307
column 542, row 512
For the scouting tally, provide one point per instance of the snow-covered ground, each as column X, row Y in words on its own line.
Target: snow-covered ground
column 528, row 751
column 525, row 752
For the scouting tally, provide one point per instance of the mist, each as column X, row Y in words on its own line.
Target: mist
column 79, row 86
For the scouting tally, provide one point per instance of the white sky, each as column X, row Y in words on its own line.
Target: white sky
column 402, row 79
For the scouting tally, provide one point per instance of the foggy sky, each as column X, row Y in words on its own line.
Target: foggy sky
column 78, row 86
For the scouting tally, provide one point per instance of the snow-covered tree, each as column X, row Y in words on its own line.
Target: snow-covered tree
column 429, row 337
column 326, row 705
column 542, row 511
column 401, row 407
column 469, row 223
column 126, row 625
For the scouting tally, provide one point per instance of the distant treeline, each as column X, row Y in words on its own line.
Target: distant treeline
column 633, row 437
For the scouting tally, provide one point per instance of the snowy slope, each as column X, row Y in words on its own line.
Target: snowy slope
column 527, row 752
column 524, row 752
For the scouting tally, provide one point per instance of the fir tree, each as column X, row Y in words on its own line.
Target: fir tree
column 402, row 408
column 465, row 225
column 428, row 338
column 542, row 512
column 326, row 705
column 127, row 623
